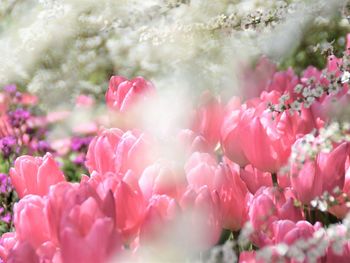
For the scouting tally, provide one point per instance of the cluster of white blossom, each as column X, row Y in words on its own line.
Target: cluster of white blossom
column 335, row 237
column 60, row 47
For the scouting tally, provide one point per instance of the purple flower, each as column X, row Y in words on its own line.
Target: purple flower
column 79, row 160
column 43, row 147
column 10, row 88
column 18, row 95
column 18, row 117
column 80, row 143
column 7, row 145
column 5, row 183
column 6, row 218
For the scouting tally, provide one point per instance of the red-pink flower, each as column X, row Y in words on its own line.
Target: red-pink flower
column 325, row 173
column 80, row 221
column 342, row 255
column 253, row 134
column 127, row 205
column 118, row 152
column 100, row 156
column 232, row 130
column 271, row 204
column 130, row 208
column 192, row 142
column 208, row 118
column 283, row 81
column 35, row 175
column 249, row 257
column 200, row 170
column 161, row 212
column 122, row 93
column 234, row 197
column 23, row 252
column 7, row 242
column 203, row 213
column 340, row 209
column 31, row 222
column 162, row 178
column 85, row 229
column 254, row 178
column 288, row 232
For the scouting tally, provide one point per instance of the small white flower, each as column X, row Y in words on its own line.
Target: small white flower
column 298, row 88
column 318, row 91
column 282, row 249
column 345, row 77
column 296, row 105
column 306, row 92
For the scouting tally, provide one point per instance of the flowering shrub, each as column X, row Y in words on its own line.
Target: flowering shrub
column 258, row 176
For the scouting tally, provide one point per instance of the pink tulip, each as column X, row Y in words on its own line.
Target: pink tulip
column 80, row 221
column 35, row 175
column 343, row 255
column 122, row 94
column 161, row 178
column 117, row 152
column 86, row 227
column 203, row 208
column 254, row 178
column 252, row 134
column 266, row 152
column 325, row 173
column 22, row 252
column 200, row 170
column 102, row 150
column 7, row 242
column 208, row 118
column 262, row 213
column 286, row 231
column 234, row 197
column 161, row 212
column 340, row 208
column 268, row 139
column 31, row 222
column 135, row 151
column 192, row 142
column 130, row 209
column 270, row 204
column 249, row 257
column 232, row 131
column 128, row 201
column 283, row 81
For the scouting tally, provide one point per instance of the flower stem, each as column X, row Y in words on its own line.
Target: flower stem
column 274, row 179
